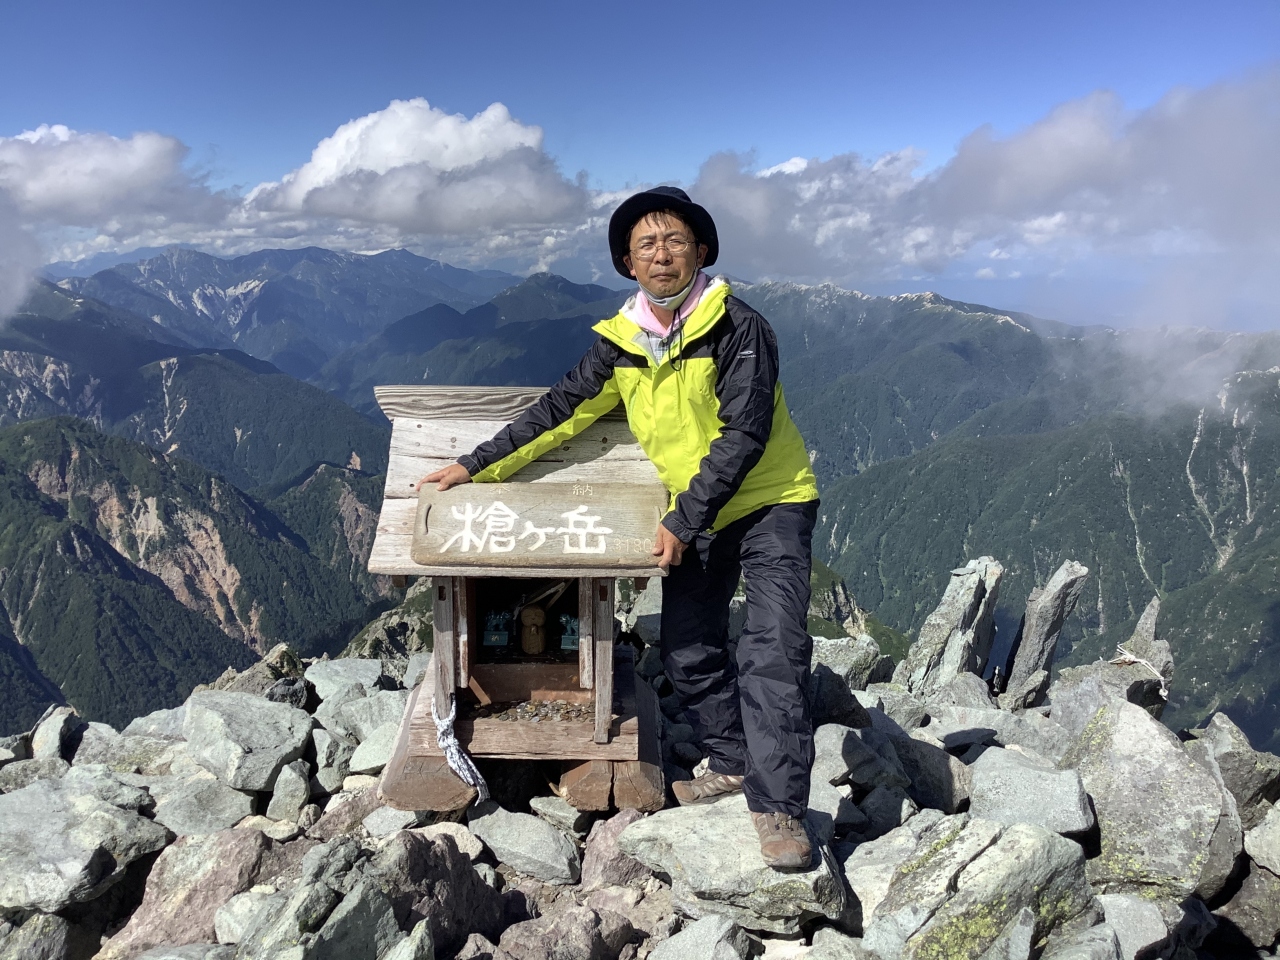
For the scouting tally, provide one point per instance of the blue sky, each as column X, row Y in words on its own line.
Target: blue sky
column 623, row 95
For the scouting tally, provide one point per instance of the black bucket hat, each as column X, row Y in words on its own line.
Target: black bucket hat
column 635, row 207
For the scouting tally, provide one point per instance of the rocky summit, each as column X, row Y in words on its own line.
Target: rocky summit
column 954, row 818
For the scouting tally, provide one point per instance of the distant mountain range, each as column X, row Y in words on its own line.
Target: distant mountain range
column 293, row 308
column 940, row 431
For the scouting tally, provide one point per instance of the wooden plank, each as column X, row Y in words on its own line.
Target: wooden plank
column 390, row 555
column 526, row 740
column 639, row 783
column 504, row 682
column 444, row 650
column 404, row 472
column 588, row 785
column 411, row 782
column 450, row 439
column 429, row 402
column 602, row 633
column 586, row 634
column 464, row 593
column 590, row 525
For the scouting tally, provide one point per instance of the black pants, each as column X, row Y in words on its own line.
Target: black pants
column 751, row 716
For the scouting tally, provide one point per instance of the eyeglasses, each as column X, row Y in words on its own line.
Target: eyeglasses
column 648, row 249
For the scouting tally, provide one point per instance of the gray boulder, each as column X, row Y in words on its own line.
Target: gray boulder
column 385, row 821
column 416, row 669
column 1253, row 913
column 16, row 747
column 871, row 866
column 160, row 723
column 603, row 862
column 188, row 884
column 1253, row 777
column 22, row 773
column 835, row 804
column 903, row 709
column 44, row 936
column 241, row 911
column 191, row 806
column 433, row 880
column 842, row 755
column 466, row 842
column 1022, row 867
column 291, row 791
column 1047, row 610
column 374, row 752
column 525, row 843
column 562, row 815
column 857, row 661
column 362, row 926
column 244, row 740
column 1010, row 786
column 333, row 759
column 838, row 668
column 1141, row 678
column 1137, row 922
column 330, row 676
column 712, row 855
column 956, row 638
column 1262, row 842
column 938, row 779
column 61, row 843
column 578, row 932
column 885, row 808
column 49, row 740
column 959, row 727
column 189, row 951
column 963, row 690
column 1157, row 808
column 418, row 945
column 329, row 713
column 132, row 753
column 365, row 715
column 1092, row 943
column 1029, row 692
column 712, row 938
column 830, row 944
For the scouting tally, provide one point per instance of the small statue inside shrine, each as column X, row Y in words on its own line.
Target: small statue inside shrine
column 533, row 630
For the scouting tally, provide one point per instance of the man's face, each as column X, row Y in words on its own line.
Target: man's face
column 667, row 273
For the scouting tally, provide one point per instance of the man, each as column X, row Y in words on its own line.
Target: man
column 697, row 370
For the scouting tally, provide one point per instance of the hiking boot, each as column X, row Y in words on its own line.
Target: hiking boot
column 784, row 842
column 707, row 788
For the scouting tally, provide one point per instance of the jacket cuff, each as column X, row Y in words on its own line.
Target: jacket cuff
column 682, row 533
column 470, row 462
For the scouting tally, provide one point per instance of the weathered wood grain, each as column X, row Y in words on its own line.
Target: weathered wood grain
column 420, row 783
column 588, row 785
column 586, row 633
column 404, row 472
column 450, row 439
column 429, row 402
column 593, row 526
column 464, row 592
column 639, row 783
column 602, row 633
column 390, row 556
column 530, row 681
column 444, row 644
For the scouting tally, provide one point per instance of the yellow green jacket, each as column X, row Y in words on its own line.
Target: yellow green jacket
column 710, row 414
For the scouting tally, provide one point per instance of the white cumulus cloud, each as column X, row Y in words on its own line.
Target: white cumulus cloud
column 418, row 169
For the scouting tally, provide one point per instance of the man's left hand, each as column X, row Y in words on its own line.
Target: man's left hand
column 669, row 548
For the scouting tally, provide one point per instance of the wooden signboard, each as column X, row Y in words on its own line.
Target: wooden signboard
column 586, row 526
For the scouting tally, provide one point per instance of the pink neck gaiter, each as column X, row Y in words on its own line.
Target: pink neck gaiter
column 646, row 319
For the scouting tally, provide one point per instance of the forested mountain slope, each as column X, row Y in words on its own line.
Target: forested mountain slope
column 130, row 576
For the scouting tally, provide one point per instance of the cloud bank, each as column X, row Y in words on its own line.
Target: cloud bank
column 1184, row 190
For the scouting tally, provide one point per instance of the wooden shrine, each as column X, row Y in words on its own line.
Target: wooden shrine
column 523, row 577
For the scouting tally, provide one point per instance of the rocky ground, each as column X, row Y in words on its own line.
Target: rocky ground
column 1060, row 820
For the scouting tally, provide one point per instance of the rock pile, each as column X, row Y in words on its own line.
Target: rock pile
column 954, row 820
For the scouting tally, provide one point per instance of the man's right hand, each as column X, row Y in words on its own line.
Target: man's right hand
column 450, row 476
